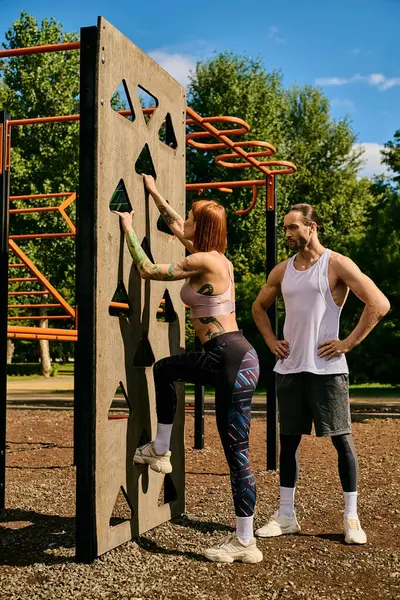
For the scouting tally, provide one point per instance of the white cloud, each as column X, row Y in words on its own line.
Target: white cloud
column 344, row 103
column 177, row 65
column 273, row 35
column 375, row 79
column 372, row 160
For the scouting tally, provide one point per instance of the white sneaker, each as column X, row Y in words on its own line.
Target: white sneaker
column 353, row 533
column 279, row 525
column 232, row 548
column 146, row 455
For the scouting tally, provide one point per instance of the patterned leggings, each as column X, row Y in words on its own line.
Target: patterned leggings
column 230, row 364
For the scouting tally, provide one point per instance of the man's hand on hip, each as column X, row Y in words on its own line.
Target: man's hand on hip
column 280, row 348
column 332, row 348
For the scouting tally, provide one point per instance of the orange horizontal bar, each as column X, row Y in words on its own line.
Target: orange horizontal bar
column 121, row 305
column 212, row 185
column 22, row 279
column 62, row 118
column 15, row 266
column 116, row 416
column 43, row 236
column 39, row 318
column 35, row 293
column 16, row 211
column 40, row 49
column 53, row 330
column 41, row 120
column 33, row 305
column 127, row 113
column 39, row 196
column 38, row 336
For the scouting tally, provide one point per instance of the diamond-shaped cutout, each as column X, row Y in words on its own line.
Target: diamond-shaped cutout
column 120, row 407
column 166, row 133
column 120, row 305
column 148, row 102
column 121, row 101
column 123, row 510
column 144, row 163
column 120, row 199
column 168, row 491
column 166, row 312
column 144, row 356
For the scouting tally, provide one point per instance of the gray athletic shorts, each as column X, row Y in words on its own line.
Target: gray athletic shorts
column 304, row 398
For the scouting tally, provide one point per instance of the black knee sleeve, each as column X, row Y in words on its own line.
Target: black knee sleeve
column 288, row 460
column 347, row 461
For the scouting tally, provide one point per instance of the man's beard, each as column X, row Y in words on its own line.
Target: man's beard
column 298, row 244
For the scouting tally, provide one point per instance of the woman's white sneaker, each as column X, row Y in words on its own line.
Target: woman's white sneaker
column 233, row 548
column 353, row 533
column 279, row 525
column 146, row 455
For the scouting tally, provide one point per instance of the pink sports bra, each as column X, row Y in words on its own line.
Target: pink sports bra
column 209, row 306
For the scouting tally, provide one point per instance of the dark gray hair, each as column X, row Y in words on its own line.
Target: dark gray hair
column 309, row 215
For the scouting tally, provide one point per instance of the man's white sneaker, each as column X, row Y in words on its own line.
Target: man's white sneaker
column 353, row 533
column 232, row 548
column 146, row 455
column 279, row 525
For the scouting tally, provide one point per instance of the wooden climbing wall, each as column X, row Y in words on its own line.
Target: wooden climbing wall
column 117, row 346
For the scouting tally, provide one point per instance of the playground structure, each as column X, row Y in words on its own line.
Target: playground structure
column 122, row 351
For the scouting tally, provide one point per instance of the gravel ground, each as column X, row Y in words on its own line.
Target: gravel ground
column 37, row 529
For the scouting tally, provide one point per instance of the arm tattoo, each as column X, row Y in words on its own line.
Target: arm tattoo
column 149, row 269
column 210, row 334
column 206, row 289
column 139, row 256
column 168, row 215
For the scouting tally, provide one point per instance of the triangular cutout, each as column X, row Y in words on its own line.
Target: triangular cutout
column 146, row 247
column 147, row 101
column 162, row 225
column 123, row 510
column 120, row 407
column 144, row 163
column 120, row 305
column 121, row 101
column 168, row 491
column 166, row 312
column 144, row 356
column 166, row 133
column 120, row 199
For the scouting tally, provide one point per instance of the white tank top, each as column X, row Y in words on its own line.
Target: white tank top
column 312, row 317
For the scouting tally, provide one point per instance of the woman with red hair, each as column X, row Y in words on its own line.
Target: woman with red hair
column 227, row 361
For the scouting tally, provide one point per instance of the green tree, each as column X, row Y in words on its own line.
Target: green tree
column 44, row 158
column 378, row 254
column 391, row 155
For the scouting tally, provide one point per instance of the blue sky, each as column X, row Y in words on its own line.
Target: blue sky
column 351, row 49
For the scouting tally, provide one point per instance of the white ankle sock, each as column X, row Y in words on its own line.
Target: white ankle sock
column 350, row 504
column 286, row 502
column 244, row 528
column 163, row 438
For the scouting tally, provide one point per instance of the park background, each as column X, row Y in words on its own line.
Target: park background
column 329, row 103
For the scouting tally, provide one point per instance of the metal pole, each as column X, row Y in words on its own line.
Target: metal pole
column 271, row 259
column 4, row 229
column 85, row 393
column 198, row 409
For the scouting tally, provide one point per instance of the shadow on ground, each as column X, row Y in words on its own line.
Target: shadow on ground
column 28, row 537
